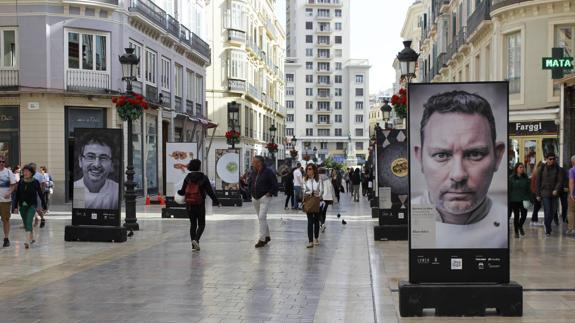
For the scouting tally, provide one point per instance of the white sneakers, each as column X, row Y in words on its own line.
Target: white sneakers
column 195, row 245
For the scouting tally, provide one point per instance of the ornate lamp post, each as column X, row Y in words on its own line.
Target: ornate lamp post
column 315, row 154
column 407, row 61
column 129, row 60
column 386, row 111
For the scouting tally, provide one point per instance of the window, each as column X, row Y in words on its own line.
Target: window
column 190, row 88
column 338, row 66
column 289, row 118
column 338, row 26
column 289, row 104
column 323, row 93
column 338, row 92
column 323, row 145
column 309, row 118
column 338, row 12
column 150, row 66
column 323, row 106
column 338, row 145
column 358, row 132
column 323, row 119
column 358, row 92
column 338, row 133
column 338, row 118
column 309, row 78
column 323, row 132
column 309, row 65
column 309, row 52
column 338, row 105
column 358, row 118
column 309, row 105
column 338, row 79
column 237, row 64
column 564, row 39
column 359, row 105
column 308, row 25
column 138, row 52
column 8, row 56
column 309, row 131
column 513, row 54
column 359, row 79
column 323, row 40
column 309, row 12
column 289, row 132
column 179, row 80
column 323, row 79
column 324, row 26
column 323, row 12
column 165, row 69
column 308, row 39
column 323, row 53
column 323, row 66
column 309, row 91
column 289, row 90
column 338, row 39
column 359, row 145
column 289, row 78
column 86, row 51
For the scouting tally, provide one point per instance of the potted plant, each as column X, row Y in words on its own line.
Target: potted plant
column 130, row 107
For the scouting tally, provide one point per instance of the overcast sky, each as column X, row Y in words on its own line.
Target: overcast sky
column 375, row 35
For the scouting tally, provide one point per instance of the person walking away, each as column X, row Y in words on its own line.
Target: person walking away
column 365, row 182
column 195, row 188
column 519, row 191
column 287, row 180
column 48, row 187
column 347, row 177
column 564, row 196
column 327, row 196
column 7, row 186
column 40, row 178
column 356, row 181
column 571, row 200
column 549, row 185
column 28, row 193
column 336, row 184
column 312, row 189
column 297, row 186
column 536, row 203
column 263, row 186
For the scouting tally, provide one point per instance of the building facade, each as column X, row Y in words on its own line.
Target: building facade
column 60, row 69
column 495, row 40
column 245, row 89
column 327, row 92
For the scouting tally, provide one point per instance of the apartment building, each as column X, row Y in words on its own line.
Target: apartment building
column 327, row 92
column 59, row 70
column 494, row 40
column 245, row 89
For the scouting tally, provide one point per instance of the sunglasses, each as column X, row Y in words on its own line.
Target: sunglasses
column 310, row 168
column 2, row 161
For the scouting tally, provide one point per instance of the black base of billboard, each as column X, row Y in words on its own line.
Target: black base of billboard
column 460, row 299
column 229, row 197
column 374, row 212
column 397, row 232
column 175, row 212
column 95, row 233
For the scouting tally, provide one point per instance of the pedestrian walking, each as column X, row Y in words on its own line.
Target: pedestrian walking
column 365, row 181
column 7, row 186
column 195, row 188
column 571, row 200
column 40, row 178
column 519, row 192
column 549, row 185
column 347, row 177
column 563, row 196
column 336, row 184
column 327, row 196
column 312, row 203
column 28, row 193
column 263, row 186
column 48, row 187
column 356, row 181
column 297, row 186
column 536, row 203
column 287, row 180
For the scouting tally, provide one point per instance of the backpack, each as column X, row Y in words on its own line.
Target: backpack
column 194, row 194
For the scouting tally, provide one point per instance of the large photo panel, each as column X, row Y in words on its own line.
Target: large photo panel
column 178, row 156
column 458, row 181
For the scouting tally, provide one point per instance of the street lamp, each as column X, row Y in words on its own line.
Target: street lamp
column 386, row 111
column 129, row 60
column 407, row 60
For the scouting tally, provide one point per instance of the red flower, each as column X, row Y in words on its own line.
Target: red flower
column 394, row 99
column 402, row 91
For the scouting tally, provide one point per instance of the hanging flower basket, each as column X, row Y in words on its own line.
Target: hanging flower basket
column 293, row 153
column 399, row 103
column 306, row 158
column 130, row 107
column 272, row 147
column 233, row 137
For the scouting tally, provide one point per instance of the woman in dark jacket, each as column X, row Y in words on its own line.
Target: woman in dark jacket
column 195, row 188
column 519, row 191
column 27, row 193
column 356, row 181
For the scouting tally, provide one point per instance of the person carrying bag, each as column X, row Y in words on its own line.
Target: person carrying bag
column 311, row 203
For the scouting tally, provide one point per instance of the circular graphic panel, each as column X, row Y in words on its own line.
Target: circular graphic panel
column 228, row 168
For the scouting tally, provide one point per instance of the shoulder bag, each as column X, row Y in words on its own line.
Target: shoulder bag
column 311, row 202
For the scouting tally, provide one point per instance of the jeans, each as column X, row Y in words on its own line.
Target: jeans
column 356, row 192
column 312, row 226
column 296, row 196
column 536, row 208
column 197, row 215
column 262, row 205
column 323, row 211
column 289, row 194
column 563, row 198
column 549, row 209
column 519, row 215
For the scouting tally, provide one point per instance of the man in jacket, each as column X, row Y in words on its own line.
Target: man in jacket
column 263, row 186
column 549, row 186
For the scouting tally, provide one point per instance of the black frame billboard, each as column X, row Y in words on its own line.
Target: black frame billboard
column 458, row 219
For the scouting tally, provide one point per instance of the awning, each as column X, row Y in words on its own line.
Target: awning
column 568, row 80
column 206, row 123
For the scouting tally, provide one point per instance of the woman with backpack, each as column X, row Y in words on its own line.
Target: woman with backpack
column 195, row 188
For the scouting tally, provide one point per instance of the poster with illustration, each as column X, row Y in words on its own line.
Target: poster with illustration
column 227, row 169
column 178, row 156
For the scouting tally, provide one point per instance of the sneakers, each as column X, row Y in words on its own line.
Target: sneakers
column 322, row 228
column 316, row 242
column 268, row 239
column 309, row 245
column 547, row 234
column 195, row 245
column 6, row 243
column 26, row 245
column 260, row 244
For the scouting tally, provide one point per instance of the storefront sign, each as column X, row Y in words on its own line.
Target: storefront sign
column 8, row 118
column 557, row 63
column 531, row 128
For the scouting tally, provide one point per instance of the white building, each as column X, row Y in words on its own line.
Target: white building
column 245, row 85
column 327, row 99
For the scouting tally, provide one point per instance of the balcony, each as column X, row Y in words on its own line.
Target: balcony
column 439, row 63
column 178, row 104
column 199, row 45
column 235, row 85
column 199, row 110
column 89, row 81
column 149, row 10
column 189, row 107
column 323, row 17
column 320, row 29
column 326, row 97
column 322, row 57
column 173, row 26
column 324, row 124
column 323, row 110
column 498, row 4
column 323, row 84
column 151, row 93
column 9, row 78
column 186, row 36
column 325, row 2
column 253, row 92
column 456, row 43
column 482, row 13
column 324, row 44
column 323, row 70
column 94, row 2
column 235, row 35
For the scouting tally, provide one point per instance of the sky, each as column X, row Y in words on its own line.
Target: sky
column 375, row 35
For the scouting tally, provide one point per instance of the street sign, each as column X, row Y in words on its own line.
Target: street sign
column 557, row 63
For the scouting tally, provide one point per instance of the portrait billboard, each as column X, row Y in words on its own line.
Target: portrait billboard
column 97, row 176
column 458, row 182
column 228, row 169
column 178, row 156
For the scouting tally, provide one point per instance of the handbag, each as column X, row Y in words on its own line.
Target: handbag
column 311, row 202
column 526, row 204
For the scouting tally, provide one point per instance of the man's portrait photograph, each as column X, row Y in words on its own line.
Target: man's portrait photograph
column 97, row 170
column 458, row 173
